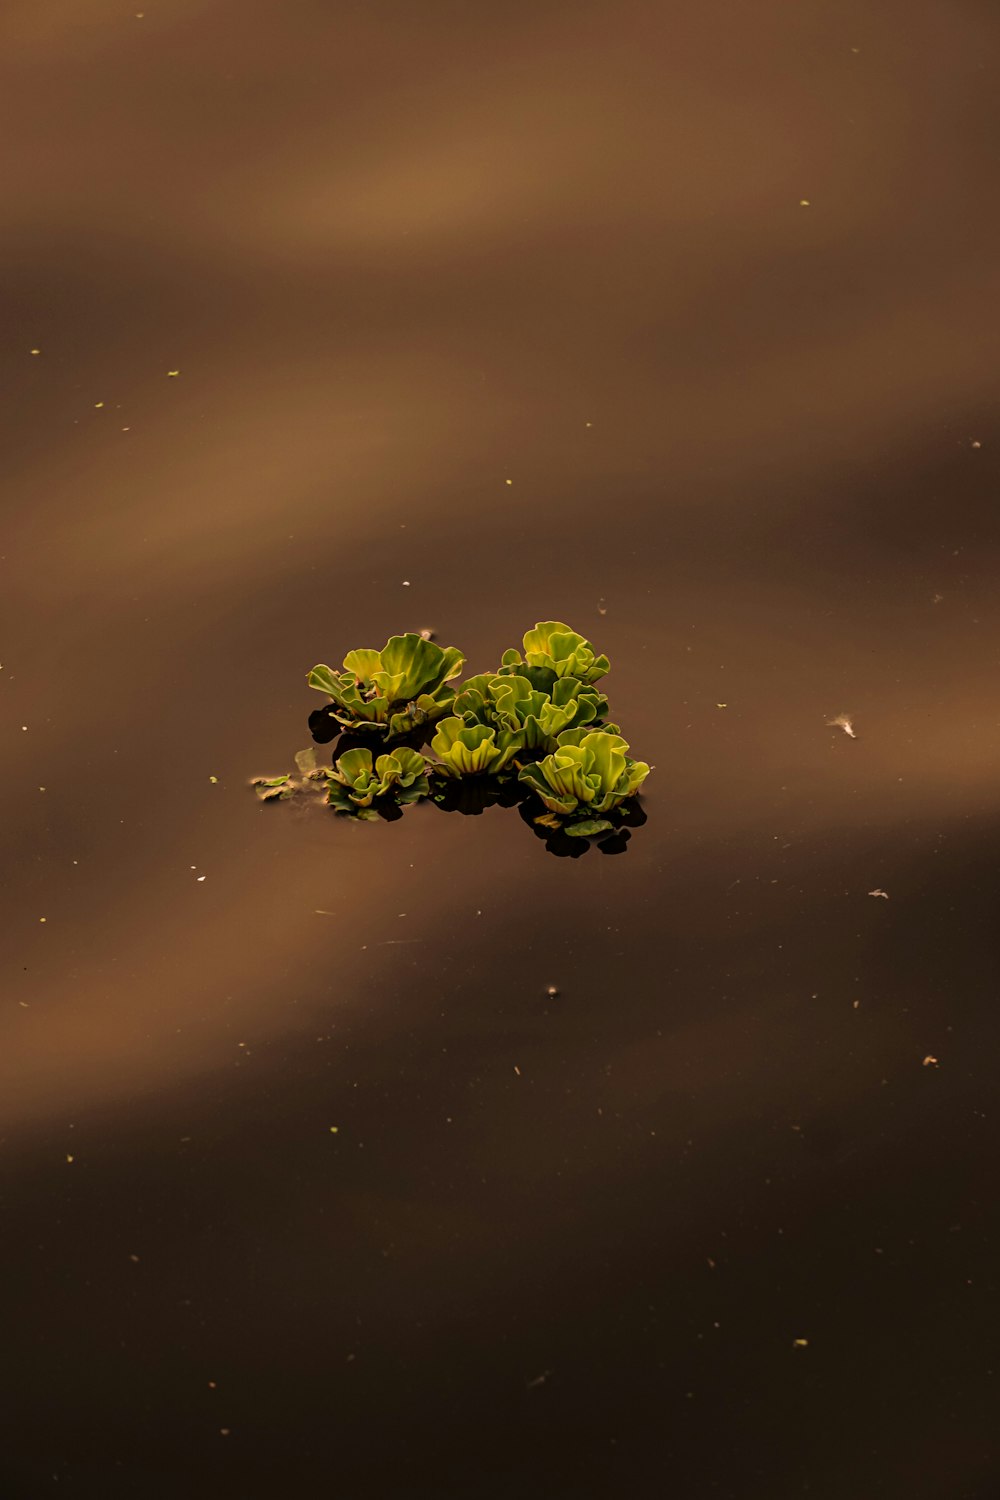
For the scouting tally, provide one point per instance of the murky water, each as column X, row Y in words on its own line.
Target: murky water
column 678, row 323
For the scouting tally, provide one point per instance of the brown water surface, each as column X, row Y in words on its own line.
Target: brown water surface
column 678, row 322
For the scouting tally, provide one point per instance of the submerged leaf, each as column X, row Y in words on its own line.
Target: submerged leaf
column 588, row 827
column 305, row 761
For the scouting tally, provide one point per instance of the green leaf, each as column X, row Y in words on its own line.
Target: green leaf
column 324, row 680
column 586, row 828
column 362, row 664
column 534, row 777
column 409, row 666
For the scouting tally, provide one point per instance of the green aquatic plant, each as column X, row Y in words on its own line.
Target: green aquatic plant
column 513, row 704
column 541, row 717
column 553, row 648
column 392, row 691
column 472, row 749
column 355, row 781
column 588, row 773
column 532, row 734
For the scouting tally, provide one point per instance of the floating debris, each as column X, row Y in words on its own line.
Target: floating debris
column 269, row 788
column 842, row 721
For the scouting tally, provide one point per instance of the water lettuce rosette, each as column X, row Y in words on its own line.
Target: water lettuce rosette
column 589, row 773
column 355, row 781
column 553, row 650
column 392, row 691
column 472, row 749
column 514, row 704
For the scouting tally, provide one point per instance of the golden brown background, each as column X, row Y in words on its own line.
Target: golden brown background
column 678, row 321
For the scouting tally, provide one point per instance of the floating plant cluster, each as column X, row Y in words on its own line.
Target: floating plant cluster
column 533, row 734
